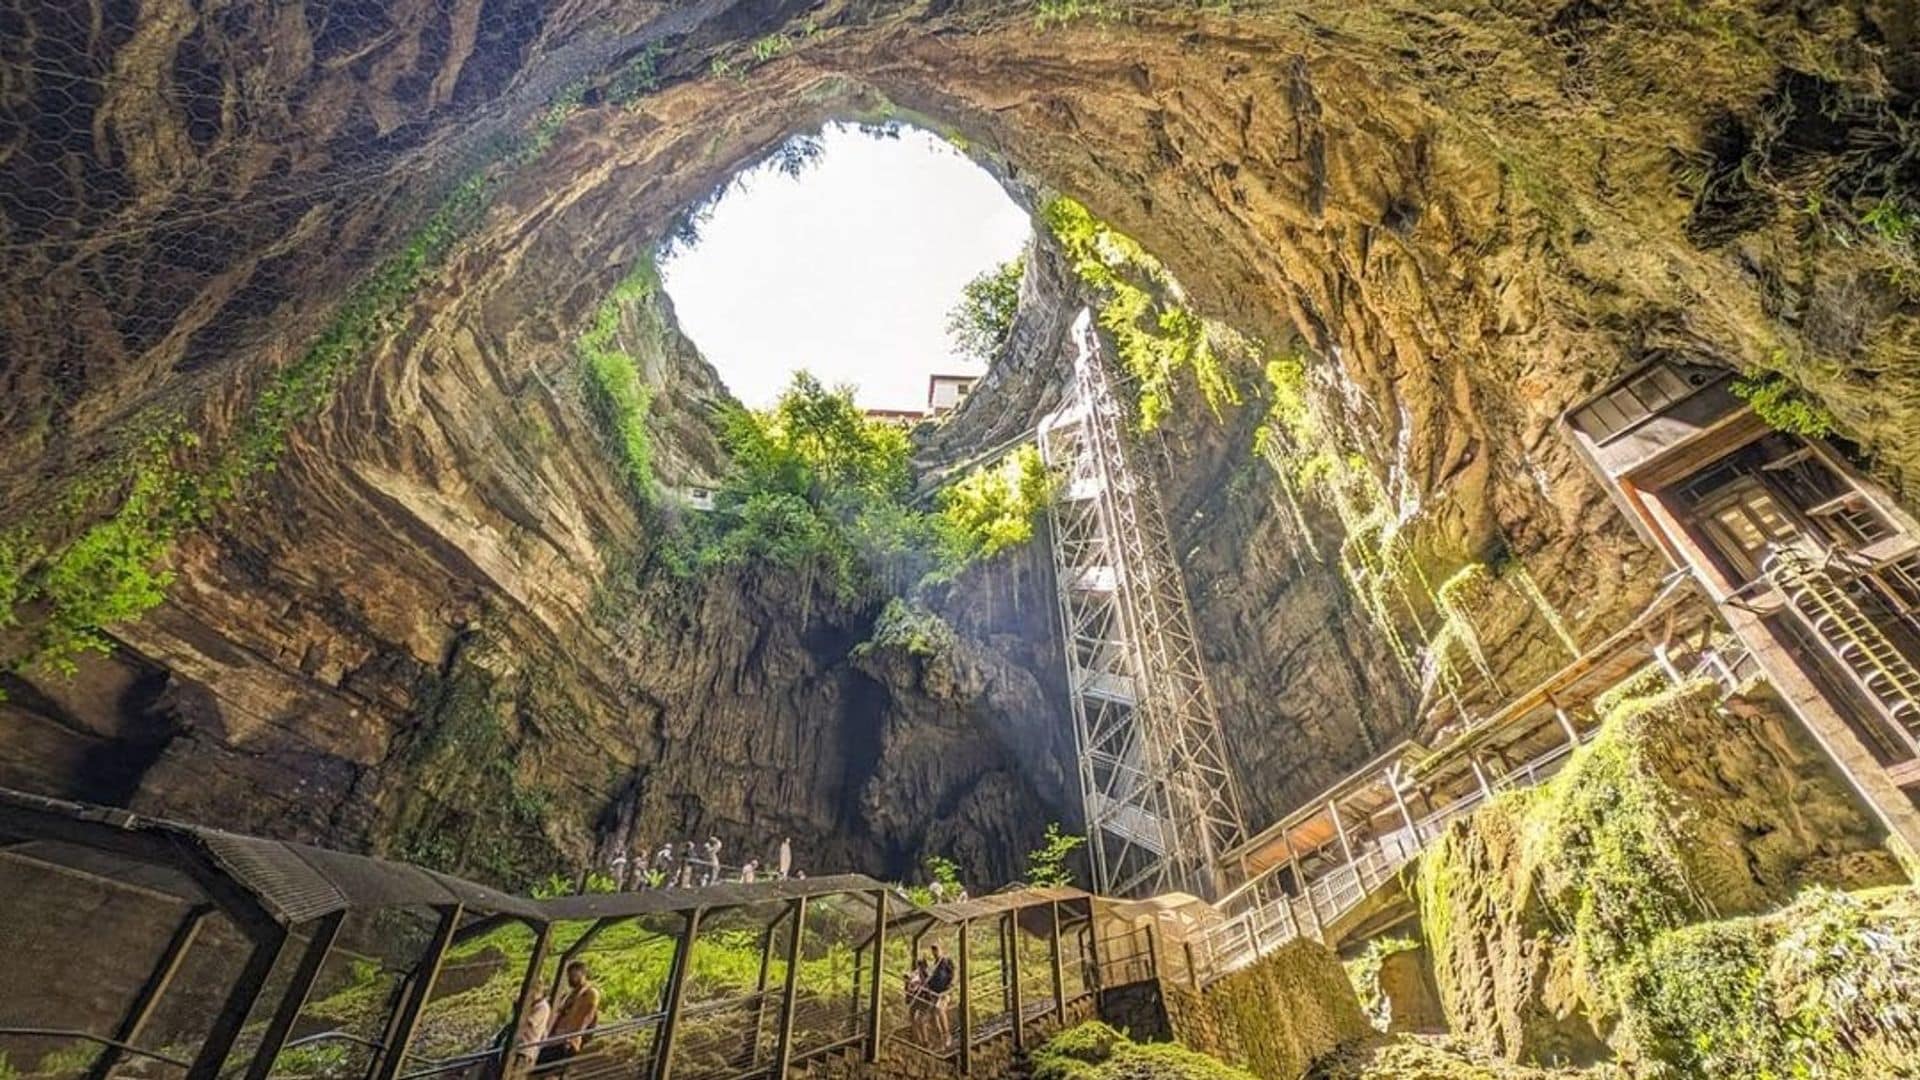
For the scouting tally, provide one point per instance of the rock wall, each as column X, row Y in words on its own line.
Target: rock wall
column 1468, row 213
column 1540, row 907
column 1275, row 1017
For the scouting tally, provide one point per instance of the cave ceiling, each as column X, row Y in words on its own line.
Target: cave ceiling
column 1471, row 213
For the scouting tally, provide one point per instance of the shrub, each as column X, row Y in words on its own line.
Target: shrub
column 1777, row 400
column 981, row 322
column 1047, row 864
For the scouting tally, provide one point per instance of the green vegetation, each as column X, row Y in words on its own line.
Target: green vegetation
column 1097, row 1051
column 943, row 876
column 470, row 813
column 1824, row 987
column 85, row 577
column 1047, row 864
column 818, row 488
column 994, row 508
column 618, row 396
column 1364, row 971
column 910, row 628
column 1048, row 13
column 1156, row 336
column 981, row 321
column 1780, row 402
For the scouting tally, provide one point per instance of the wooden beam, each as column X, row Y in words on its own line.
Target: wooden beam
column 1059, row 968
column 789, row 995
column 875, row 993
column 239, row 1002
column 1010, row 971
column 425, row 974
column 966, row 1000
column 529, row 987
column 676, row 994
column 325, row 930
column 152, row 990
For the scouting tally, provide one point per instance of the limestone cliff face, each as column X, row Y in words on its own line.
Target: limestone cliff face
column 1469, row 215
column 1546, row 910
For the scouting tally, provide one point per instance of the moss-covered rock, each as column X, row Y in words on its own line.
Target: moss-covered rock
column 1275, row 1017
column 1096, row 1051
column 1541, row 907
column 1411, row 1057
column 1828, row 986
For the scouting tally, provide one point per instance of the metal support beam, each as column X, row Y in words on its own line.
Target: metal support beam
column 325, row 930
column 414, row 1002
column 790, row 994
column 529, row 987
column 1161, row 800
column 676, row 993
column 966, row 999
column 1566, row 723
column 152, row 991
column 1059, row 968
column 1340, row 829
column 760, row 985
column 875, row 993
column 239, row 1002
column 1400, row 803
column 1480, row 775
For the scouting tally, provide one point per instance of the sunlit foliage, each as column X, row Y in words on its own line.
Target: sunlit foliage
column 983, row 319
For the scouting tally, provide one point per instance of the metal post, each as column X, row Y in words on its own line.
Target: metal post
column 325, row 931
column 233, row 1011
column 875, row 995
column 1400, row 803
column 1011, row 972
column 155, row 988
column 1059, row 969
column 1340, row 827
column 676, row 993
column 966, row 1001
column 760, row 986
column 529, row 986
column 415, row 1001
column 1480, row 775
column 1566, row 723
column 790, row 994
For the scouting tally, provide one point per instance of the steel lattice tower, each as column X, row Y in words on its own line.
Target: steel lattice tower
column 1160, row 800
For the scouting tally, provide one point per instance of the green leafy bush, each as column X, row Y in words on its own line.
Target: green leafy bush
column 1047, row 864
column 911, row 628
column 994, row 507
column 1780, row 402
column 1157, row 338
column 619, row 398
column 980, row 323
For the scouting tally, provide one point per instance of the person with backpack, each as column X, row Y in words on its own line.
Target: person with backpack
column 939, row 981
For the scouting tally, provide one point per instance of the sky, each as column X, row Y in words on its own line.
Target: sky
column 848, row 270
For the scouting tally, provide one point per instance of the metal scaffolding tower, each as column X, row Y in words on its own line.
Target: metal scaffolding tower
column 1161, row 802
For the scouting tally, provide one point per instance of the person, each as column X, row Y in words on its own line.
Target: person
column 919, row 1002
column 712, row 852
column 785, row 863
column 687, row 859
column 663, row 864
column 578, row 1013
column 750, row 872
column 533, row 1028
column 939, row 981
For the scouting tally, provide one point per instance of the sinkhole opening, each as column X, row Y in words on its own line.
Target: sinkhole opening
column 848, row 254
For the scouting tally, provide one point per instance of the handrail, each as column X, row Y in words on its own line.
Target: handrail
column 88, row 1036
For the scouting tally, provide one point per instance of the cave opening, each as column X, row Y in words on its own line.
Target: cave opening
column 848, row 253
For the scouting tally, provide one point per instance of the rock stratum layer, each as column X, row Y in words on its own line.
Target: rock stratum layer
column 358, row 242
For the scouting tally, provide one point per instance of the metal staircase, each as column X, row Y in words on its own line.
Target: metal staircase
column 1160, row 800
column 1885, row 675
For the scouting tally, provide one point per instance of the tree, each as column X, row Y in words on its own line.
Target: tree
column 979, row 324
column 1047, row 864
